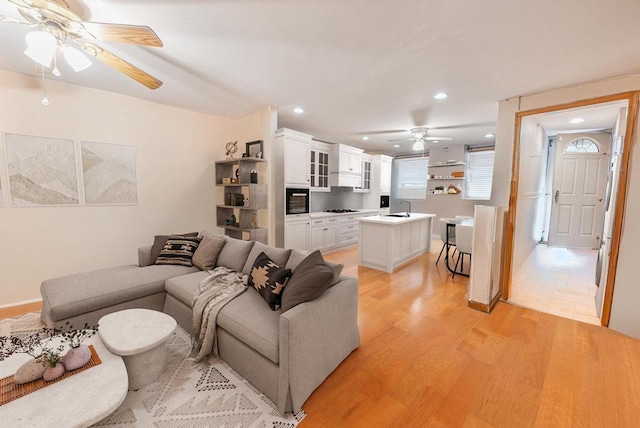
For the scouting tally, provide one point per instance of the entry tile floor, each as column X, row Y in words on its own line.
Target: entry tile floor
column 558, row 281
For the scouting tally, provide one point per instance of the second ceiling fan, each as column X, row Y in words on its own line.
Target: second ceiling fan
column 419, row 136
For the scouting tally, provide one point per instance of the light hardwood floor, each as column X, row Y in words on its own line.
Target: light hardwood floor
column 428, row 360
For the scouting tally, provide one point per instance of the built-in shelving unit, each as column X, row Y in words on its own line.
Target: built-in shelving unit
column 438, row 165
column 255, row 197
column 447, row 177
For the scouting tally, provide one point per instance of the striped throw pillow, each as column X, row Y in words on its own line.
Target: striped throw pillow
column 178, row 250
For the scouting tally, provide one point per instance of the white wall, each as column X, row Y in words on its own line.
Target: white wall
column 534, row 152
column 176, row 150
column 625, row 316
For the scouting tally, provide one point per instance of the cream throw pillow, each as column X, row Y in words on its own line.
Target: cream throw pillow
column 208, row 251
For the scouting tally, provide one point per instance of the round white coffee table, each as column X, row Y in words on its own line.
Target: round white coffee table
column 78, row 401
column 139, row 336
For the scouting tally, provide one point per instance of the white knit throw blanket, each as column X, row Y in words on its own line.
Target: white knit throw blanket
column 215, row 291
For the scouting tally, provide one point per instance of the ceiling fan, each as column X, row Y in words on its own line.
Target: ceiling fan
column 419, row 136
column 58, row 24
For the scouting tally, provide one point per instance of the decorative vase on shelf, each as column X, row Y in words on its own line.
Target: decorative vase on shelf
column 76, row 357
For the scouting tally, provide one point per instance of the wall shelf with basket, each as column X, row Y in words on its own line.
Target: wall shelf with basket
column 243, row 196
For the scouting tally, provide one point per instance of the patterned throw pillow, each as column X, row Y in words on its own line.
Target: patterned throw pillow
column 160, row 240
column 178, row 250
column 269, row 279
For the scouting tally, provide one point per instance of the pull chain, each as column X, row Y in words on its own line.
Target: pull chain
column 45, row 101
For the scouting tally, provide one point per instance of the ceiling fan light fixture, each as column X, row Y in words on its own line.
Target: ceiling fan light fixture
column 418, row 145
column 76, row 59
column 41, row 47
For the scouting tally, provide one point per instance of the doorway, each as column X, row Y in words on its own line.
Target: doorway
column 568, row 165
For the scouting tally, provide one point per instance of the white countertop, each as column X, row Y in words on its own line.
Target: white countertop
column 383, row 219
column 321, row 214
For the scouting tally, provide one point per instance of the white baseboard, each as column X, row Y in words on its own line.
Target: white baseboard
column 24, row 302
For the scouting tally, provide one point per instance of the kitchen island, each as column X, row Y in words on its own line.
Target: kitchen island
column 389, row 241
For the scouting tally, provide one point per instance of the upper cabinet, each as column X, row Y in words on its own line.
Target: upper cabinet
column 385, row 174
column 319, row 166
column 365, row 182
column 347, row 171
column 297, row 158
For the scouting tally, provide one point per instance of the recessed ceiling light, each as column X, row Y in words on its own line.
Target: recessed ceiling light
column 435, row 142
column 577, row 120
column 298, row 110
column 396, row 145
column 365, row 138
column 488, row 135
column 440, row 96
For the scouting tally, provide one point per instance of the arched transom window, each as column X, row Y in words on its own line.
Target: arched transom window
column 582, row 145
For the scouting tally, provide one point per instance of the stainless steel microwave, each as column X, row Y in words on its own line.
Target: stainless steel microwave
column 297, row 201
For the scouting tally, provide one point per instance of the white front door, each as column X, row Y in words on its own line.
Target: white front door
column 580, row 175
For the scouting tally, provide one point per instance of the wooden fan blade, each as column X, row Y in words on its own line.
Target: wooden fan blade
column 121, row 65
column 135, row 34
column 438, row 138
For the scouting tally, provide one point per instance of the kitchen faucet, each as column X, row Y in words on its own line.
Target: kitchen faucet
column 409, row 204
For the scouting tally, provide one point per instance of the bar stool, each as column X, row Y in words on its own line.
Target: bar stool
column 443, row 234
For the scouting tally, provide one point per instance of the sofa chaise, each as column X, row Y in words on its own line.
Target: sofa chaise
column 286, row 355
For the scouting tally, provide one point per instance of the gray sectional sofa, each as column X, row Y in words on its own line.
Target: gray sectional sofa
column 285, row 355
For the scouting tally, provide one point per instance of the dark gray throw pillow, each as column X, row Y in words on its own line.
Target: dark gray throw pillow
column 309, row 280
column 269, row 279
column 178, row 250
column 160, row 240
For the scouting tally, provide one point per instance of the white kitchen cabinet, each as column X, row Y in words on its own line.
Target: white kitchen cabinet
column 365, row 180
column 297, row 161
column 385, row 175
column 319, row 167
column 350, row 163
column 324, row 237
column 380, row 181
column 347, row 171
column 296, row 233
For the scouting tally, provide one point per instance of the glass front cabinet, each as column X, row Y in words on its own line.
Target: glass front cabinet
column 319, row 168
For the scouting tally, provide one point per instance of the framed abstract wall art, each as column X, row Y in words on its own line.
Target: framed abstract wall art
column 109, row 174
column 41, row 170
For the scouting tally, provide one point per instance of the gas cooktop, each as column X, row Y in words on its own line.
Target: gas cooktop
column 341, row 211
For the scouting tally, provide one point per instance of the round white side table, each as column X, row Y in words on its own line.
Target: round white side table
column 139, row 336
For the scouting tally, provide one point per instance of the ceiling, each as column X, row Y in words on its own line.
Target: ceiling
column 595, row 118
column 358, row 67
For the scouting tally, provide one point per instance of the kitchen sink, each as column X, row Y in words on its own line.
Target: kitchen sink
column 405, row 215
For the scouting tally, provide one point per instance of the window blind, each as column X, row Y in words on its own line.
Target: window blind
column 480, row 174
column 412, row 178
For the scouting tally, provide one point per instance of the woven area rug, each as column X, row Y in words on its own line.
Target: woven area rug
column 188, row 394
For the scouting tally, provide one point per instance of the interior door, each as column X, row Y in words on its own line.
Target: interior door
column 580, row 174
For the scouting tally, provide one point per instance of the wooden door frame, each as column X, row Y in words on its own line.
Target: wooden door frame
column 620, row 203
